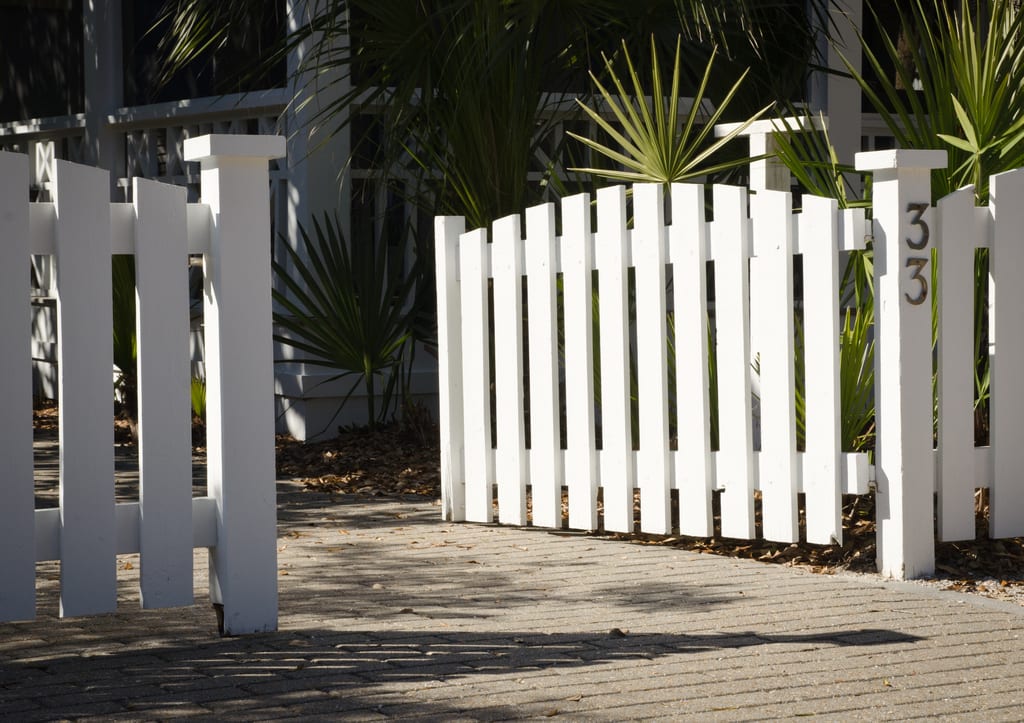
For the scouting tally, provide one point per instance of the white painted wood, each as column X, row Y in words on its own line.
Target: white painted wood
column 955, row 234
column 581, row 468
column 693, row 468
column 122, row 228
column 165, row 440
column 1006, row 200
column 649, row 251
column 203, row 527
column 545, row 440
column 447, row 230
column 127, row 516
column 852, row 229
column 768, row 173
column 199, row 225
column 612, row 252
column 17, row 501
column 476, row 379
column 510, row 450
column 225, row 145
column 771, row 212
column 42, row 227
column 85, row 360
column 730, row 239
column 857, row 473
column 204, row 522
column 904, row 467
column 47, row 537
column 43, row 217
column 240, row 379
column 822, row 474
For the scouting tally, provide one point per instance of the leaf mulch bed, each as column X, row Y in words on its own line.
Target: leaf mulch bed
column 391, row 461
column 396, row 462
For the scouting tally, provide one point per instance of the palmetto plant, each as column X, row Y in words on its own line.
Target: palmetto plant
column 465, row 89
column 968, row 83
column 456, row 104
column 347, row 307
column 125, row 340
column 651, row 144
column 968, row 77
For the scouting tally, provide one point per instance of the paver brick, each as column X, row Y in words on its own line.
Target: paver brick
column 409, row 617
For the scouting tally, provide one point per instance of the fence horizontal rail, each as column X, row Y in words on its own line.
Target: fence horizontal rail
column 43, row 219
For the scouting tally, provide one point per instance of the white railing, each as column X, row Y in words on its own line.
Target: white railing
column 236, row 520
column 590, row 385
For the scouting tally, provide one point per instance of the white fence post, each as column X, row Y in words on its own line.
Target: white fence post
column 240, row 378
column 17, row 528
column 904, row 461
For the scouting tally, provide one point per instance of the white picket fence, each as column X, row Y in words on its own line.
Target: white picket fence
column 542, row 378
column 237, row 519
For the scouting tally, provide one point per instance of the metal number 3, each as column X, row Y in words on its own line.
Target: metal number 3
column 918, row 263
column 918, row 210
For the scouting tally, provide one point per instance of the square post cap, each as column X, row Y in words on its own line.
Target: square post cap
column 900, row 158
column 228, row 145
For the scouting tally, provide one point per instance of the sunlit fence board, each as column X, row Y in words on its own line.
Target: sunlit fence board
column 476, row 376
column 955, row 389
column 773, row 242
column 510, row 453
column 545, row 471
column 617, row 460
column 694, row 473
column 581, row 471
column 649, row 255
column 818, row 232
column 730, row 243
column 1007, row 202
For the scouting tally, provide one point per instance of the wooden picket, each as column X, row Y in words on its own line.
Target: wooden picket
column 1006, row 202
column 955, row 469
column 236, row 520
column 583, row 387
column 17, row 502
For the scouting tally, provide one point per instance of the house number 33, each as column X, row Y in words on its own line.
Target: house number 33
column 917, row 263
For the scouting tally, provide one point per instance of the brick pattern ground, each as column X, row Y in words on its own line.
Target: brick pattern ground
column 388, row 613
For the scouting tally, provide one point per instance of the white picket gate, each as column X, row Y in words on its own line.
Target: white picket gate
column 542, row 378
column 237, row 519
